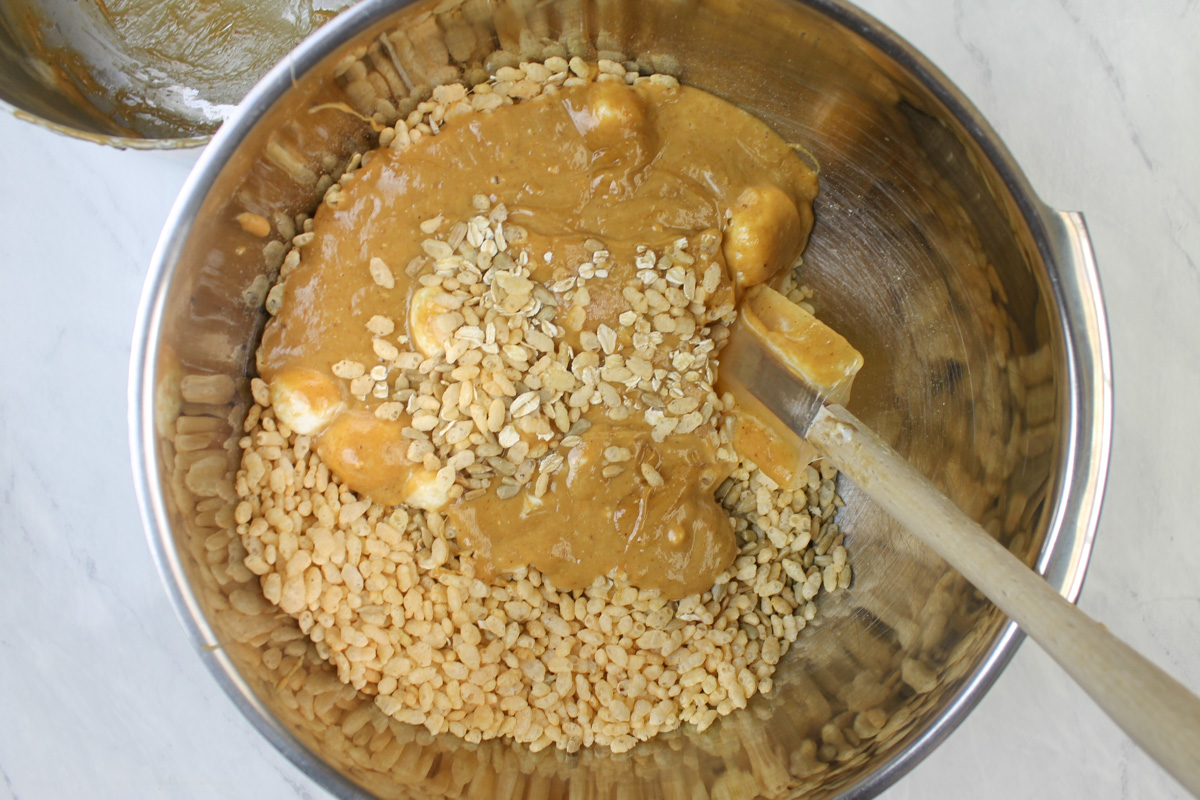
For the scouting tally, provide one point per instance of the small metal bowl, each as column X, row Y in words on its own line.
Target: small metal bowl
column 144, row 74
column 977, row 308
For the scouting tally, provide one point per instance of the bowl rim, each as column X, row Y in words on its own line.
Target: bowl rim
column 108, row 140
column 1085, row 435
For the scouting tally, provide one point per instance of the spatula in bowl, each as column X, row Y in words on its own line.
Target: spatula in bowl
column 782, row 361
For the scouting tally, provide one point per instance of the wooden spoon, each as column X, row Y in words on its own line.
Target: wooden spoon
column 782, row 359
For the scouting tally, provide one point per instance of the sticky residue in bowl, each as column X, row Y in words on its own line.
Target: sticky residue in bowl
column 157, row 69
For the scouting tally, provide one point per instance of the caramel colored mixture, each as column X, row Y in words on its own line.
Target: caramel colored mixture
column 672, row 536
column 571, row 399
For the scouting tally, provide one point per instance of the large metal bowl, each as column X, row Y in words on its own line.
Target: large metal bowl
column 977, row 308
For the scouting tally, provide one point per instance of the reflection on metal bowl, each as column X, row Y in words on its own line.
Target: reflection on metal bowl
column 976, row 307
column 144, row 73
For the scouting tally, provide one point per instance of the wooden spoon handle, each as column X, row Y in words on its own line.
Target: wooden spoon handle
column 1154, row 710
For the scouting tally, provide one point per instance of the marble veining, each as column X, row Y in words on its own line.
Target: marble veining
column 101, row 693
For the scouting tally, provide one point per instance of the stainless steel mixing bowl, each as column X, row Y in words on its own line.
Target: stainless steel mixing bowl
column 148, row 74
column 977, row 308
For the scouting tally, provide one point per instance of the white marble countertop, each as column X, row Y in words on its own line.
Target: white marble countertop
column 101, row 693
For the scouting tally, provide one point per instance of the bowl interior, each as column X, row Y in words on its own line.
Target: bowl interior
column 144, row 74
column 924, row 255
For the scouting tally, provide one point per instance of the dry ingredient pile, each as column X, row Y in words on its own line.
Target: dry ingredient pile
column 489, row 472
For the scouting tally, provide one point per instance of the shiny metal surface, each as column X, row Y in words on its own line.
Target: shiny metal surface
column 977, row 309
column 147, row 74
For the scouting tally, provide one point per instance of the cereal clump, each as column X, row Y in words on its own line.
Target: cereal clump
column 389, row 602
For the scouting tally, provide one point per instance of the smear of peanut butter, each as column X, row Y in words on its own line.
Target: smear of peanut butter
column 634, row 168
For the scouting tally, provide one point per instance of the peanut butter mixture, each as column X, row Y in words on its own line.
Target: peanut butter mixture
column 486, row 469
column 516, row 322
